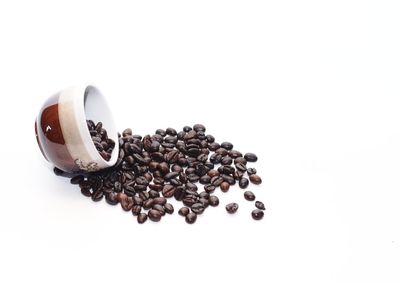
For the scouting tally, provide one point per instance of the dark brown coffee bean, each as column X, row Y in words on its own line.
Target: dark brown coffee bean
column 248, row 195
column 85, row 184
column 199, row 128
column 226, row 160
column 232, row 207
column 191, row 186
column 97, row 195
column 168, row 191
column 161, row 132
column 212, row 173
column 227, row 178
column 191, row 218
column 183, row 211
column 77, row 179
column 197, row 208
column 224, row 186
column 147, row 204
column 235, row 154
column 213, row 200
column 251, row 171
column 243, row 183
column 127, row 203
column 227, row 145
column 209, row 188
column 87, row 192
column 154, row 215
column 171, row 175
column 169, row 208
column 257, row 214
column 213, row 146
column 137, row 200
column 251, row 157
column 171, row 131
column 179, row 193
column 154, row 194
column 175, row 182
column 160, row 200
column 240, row 160
column 241, row 167
column 216, row 181
column 204, row 194
column 156, row 187
column 260, row 205
column 205, row 179
column 160, row 208
column 142, row 217
column 111, row 198
column 136, row 209
column 255, row 179
column 144, row 195
column 189, row 200
column 204, row 202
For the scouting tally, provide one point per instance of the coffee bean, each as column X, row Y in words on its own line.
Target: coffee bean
column 160, row 200
column 227, row 145
column 97, row 195
column 204, row 195
column 171, row 175
column 224, row 186
column 58, row 172
column 204, row 202
column 111, row 198
column 251, row 171
column 142, row 217
column 136, row 209
column 248, row 195
column 255, row 179
column 257, row 214
column 260, row 205
column 168, row 208
column 147, row 204
column 187, row 129
column 85, row 184
column 127, row 203
column 197, row 208
column 209, row 188
column 171, row 131
column 214, row 146
column 213, row 200
column 160, row 208
column 154, row 215
column 191, row 218
column 251, row 157
column 191, row 186
column 189, row 200
column 226, row 160
column 243, row 183
column 212, row 173
column 232, row 207
column 154, row 194
column 205, row 179
column 199, row 128
column 77, row 179
column 168, row 191
column 241, row 167
column 183, row 211
column 179, row 193
column 216, row 181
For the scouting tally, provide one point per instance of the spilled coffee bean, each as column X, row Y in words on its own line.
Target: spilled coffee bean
column 188, row 165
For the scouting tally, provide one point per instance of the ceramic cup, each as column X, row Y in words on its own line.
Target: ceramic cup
column 62, row 133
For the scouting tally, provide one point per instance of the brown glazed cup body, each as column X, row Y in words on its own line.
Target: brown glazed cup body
column 62, row 133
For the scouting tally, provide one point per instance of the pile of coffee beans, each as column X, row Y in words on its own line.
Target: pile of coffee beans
column 188, row 165
column 100, row 139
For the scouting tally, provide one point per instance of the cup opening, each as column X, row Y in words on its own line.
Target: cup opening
column 97, row 109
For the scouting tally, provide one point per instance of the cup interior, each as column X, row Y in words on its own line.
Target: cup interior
column 96, row 108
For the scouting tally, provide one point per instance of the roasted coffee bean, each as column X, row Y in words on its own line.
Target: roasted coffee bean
column 241, row 167
column 216, row 181
column 160, row 200
column 168, row 190
column 193, row 178
column 213, row 200
column 137, row 200
column 183, row 211
column 201, row 170
column 235, row 154
column 175, row 182
column 77, row 179
column 205, row 179
column 181, row 135
column 171, row 131
column 136, row 209
column 187, row 128
column 191, row 186
column 87, row 192
column 210, row 138
column 171, row 139
column 204, row 194
column 140, row 188
column 179, row 193
column 199, row 128
column 248, row 195
column 163, row 167
column 251, row 157
column 154, row 215
column 168, row 208
column 227, row 178
column 85, row 184
column 243, row 183
column 257, row 214
column 147, row 204
column 251, row 171
column 144, row 195
column 255, row 179
column 197, row 208
column 155, row 146
column 189, row 200
column 260, row 205
column 191, row 218
column 111, row 198
column 215, row 158
column 141, row 218
column 232, row 207
column 161, row 132
column 171, row 175
column 224, row 186
column 212, row 173
column 176, row 168
column 127, row 203
column 226, row 160
column 209, row 188
column 156, row 187
column 204, row 202
column 227, row 145
column 160, row 208
column 240, row 160
column 141, row 181
column 154, row 194
column 97, row 195
column 214, row 146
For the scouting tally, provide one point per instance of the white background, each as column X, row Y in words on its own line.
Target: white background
column 312, row 87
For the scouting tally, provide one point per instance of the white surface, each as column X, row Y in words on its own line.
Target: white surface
column 311, row 86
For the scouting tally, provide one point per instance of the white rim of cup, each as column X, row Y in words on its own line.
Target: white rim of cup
column 76, row 105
